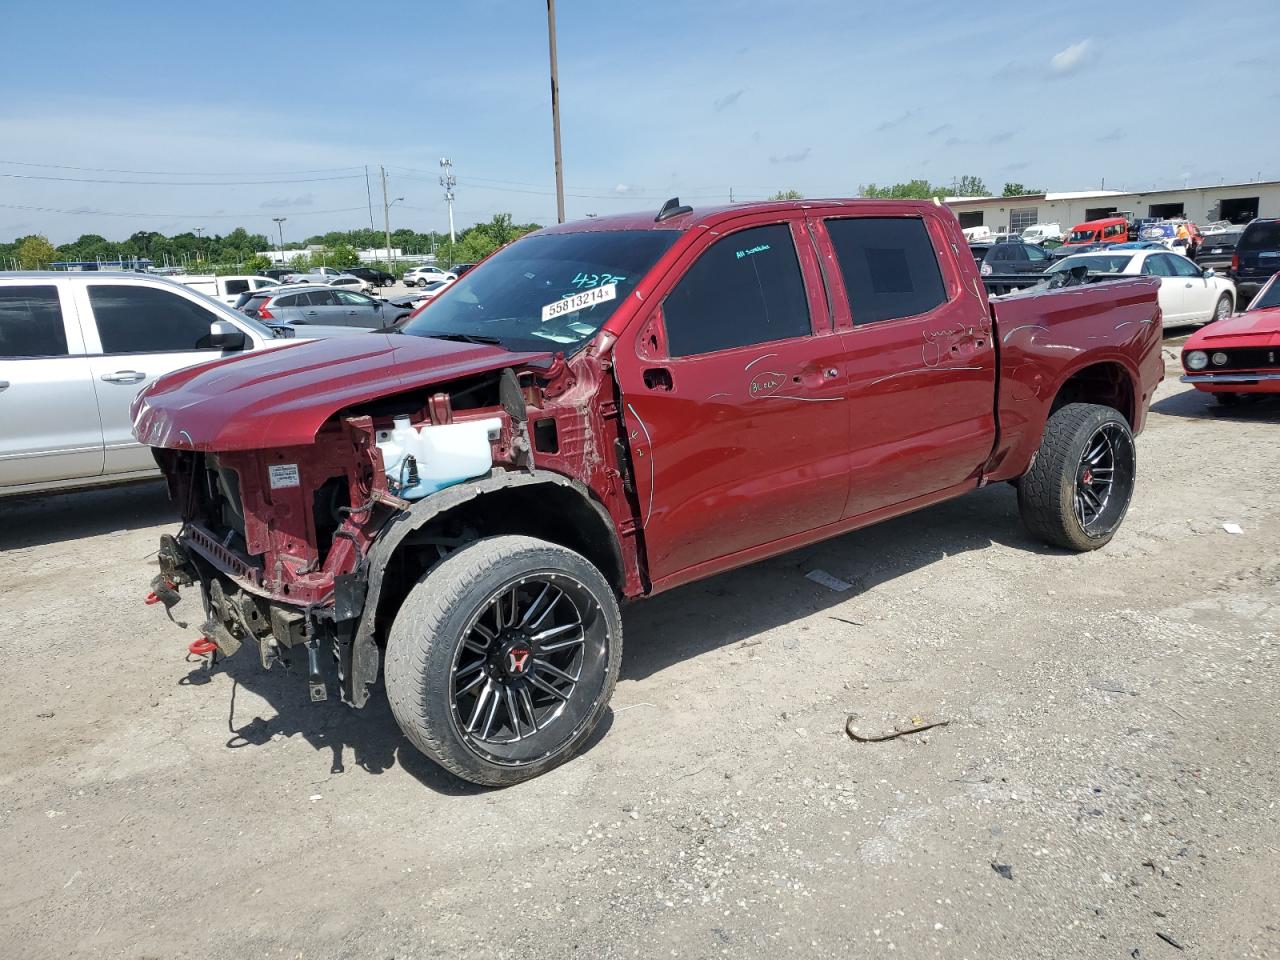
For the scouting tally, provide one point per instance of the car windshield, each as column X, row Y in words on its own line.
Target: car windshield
column 1095, row 263
column 1270, row 297
column 1081, row 236
column 548, row 291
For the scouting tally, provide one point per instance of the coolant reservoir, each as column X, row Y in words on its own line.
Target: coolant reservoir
column 419, row 461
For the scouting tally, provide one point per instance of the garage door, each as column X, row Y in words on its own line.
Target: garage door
column 1022, row 217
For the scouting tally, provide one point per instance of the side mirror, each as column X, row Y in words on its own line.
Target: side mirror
column 225, row 336
column 1209, row 273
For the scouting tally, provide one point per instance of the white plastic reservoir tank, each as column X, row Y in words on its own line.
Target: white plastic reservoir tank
column 422, row 460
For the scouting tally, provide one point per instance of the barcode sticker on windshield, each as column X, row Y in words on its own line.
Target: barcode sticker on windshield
column 283, row 475
column 580, row 301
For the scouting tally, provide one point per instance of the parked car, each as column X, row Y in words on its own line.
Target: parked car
column 468, row 496
column 348, row 282
column 75, row 348
column 1181, row 236
column 226, row 289
column 321, row 306
column 1064, row 250
column 311, row 273
column 1102, row 232
column 1217, row 249
column 1137, row 245
column 277, row 273
column 1019, row 257
column 427, row 273
column 373, row 277
column 1257, row 256
column 431, row 291
column 458, row 269
column 1040, row 232
column 1188, row 293
column 1238, row 356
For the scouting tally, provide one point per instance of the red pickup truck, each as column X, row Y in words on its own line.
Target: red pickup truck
column 607, row 409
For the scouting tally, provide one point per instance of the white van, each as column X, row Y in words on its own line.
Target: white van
column 226, row 289
column 1040, row 232
column 976, row 234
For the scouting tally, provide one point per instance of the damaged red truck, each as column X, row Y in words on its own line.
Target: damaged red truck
column 652, row 400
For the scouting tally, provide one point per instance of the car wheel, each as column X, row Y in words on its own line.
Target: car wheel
column 502, row 659
column 1079, row 486
column 1223, row 308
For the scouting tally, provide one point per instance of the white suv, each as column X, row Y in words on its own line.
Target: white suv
column 421, row 276
column 75, row 349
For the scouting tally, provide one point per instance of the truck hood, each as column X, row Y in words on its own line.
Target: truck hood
column 281, row 397
column 1253, row 327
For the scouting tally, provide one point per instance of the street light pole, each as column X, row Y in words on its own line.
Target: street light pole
column 199, row 236
column 386, row 218
column 555, row 108
column 280, row 227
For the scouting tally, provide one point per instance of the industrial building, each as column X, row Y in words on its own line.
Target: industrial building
column 1235, row 202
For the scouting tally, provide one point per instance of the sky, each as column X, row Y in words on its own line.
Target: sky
column 217, row 117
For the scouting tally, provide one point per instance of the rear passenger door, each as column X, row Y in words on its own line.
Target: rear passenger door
column 920, row 361
column 321, row 307
column 137, row 333
column 49, row 427
column 732, row 389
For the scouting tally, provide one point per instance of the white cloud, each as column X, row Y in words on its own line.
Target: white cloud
column 1070, row 59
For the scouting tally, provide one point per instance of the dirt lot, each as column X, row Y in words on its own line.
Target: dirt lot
column 1112, row 751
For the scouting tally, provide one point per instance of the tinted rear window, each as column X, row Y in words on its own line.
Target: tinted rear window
column 1261, row 236
column 31, row 322
column 889, row 266
column 1224, row 240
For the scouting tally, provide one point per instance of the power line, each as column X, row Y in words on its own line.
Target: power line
column 172, row 216
column 172, row 173
column 176, row 183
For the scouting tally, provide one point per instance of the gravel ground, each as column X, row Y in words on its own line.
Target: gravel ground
column 1108, row 775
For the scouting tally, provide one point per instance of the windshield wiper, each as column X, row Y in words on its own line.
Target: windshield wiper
column 465, row 338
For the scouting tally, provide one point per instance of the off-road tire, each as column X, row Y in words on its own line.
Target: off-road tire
column 1047, row 493
column 427, row 633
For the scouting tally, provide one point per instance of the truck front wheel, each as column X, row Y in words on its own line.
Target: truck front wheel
column 1079, row 487
column 502, row 659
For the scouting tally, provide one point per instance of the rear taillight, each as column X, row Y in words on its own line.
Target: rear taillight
column 264, row 313
column 1235, row 262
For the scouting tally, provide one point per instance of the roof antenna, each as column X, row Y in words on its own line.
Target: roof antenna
column 672, row 208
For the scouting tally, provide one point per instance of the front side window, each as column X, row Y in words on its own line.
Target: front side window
column 1036, row 253
column 236, row 286
column 349, row 299
column 148, row 320
column 31, row 322
column 1182, row 267
column 744, row 289
column 889, row 267
column 1157, row 267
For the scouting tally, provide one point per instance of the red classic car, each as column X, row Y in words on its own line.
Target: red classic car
column 1241, row 354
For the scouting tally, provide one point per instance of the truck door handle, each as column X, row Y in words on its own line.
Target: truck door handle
column 658, row 378
column 124, row 376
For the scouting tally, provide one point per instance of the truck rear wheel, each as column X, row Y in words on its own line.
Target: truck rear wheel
column 1079, row 487
column 502, row 659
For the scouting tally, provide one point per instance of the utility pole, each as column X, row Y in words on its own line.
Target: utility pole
column 448, row 181
column 368, row 194
column 280, row 227
column 199, row 236
column 386, row 219
column 555, row 108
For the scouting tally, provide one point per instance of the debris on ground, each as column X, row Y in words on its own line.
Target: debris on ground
column 825, row 579
column 1003, row 869
column 1170, row 941
column 917, row 727
column 1232, row 527
column 852, row 623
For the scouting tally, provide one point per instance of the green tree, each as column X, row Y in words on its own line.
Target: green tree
column 300, row 262
column 1017, row 190
column 788, row 195
column 969, row 186
column 35, row 252
column 256, row 263
column 911, row 190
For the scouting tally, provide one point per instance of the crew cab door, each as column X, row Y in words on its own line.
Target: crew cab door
column 135, row 333
column 920, row 359
column 49, row 427
column 732, row 392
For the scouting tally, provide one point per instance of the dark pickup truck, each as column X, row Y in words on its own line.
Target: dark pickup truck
column 607, row 409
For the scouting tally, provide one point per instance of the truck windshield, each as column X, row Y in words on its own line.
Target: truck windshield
column 552, row 291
